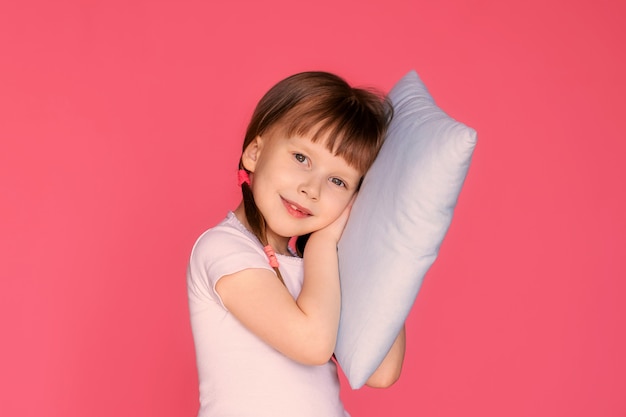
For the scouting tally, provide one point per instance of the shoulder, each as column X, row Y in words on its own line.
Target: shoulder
column 226, row 236
column 228, row 246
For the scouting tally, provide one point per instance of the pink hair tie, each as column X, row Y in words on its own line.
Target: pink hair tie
column 271, row 255
column 242, row 176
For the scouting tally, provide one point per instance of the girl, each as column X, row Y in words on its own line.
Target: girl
column 265, row 315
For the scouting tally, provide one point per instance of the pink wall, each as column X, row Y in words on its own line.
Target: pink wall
column 120, row 124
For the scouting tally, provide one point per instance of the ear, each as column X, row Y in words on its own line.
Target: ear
column 251, row 154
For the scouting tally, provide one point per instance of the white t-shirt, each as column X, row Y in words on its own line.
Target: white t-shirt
column 239, row 374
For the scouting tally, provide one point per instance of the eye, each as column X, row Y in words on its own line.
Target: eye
column 300, row 158
column 338, row 182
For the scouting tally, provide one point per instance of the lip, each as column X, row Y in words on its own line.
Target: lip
column 296, row 210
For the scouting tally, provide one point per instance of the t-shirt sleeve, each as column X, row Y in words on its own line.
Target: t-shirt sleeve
column 220, row 252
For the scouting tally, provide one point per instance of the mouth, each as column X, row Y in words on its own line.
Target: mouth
column 296, row 210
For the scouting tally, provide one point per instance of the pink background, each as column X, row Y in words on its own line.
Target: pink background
column 120, row 128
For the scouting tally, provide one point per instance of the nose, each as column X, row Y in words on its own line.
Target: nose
column 311, row 188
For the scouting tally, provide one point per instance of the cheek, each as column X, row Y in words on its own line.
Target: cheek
column 339, row 204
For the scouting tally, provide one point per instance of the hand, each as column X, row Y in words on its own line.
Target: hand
column 335, row 229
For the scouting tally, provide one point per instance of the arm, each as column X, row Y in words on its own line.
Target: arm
column 389, row 370
column 304, row 329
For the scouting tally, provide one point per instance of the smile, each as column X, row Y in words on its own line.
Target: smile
column 296, row 210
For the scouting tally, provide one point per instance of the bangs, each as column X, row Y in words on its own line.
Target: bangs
column 346, row 127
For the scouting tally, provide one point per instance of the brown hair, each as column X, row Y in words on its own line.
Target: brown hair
column 320, row 105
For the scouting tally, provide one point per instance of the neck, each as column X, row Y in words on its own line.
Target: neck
column 278, row 243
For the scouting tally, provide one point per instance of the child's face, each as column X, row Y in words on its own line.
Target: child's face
column 298, row 185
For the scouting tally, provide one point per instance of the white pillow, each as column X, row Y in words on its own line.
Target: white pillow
column 397, row 224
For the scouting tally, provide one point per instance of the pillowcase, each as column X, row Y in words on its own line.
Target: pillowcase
column 397, row 224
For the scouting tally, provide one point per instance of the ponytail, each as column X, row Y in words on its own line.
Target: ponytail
column 256, row 222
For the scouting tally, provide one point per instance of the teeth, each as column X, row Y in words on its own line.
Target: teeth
column 294, row 207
